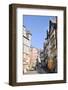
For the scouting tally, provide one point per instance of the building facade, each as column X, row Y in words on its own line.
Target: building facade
column 42, row 58
column 33, row 58
column 26, row 49
column 53, row 38
column 50, row 44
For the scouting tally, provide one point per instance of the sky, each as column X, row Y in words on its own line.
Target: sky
column 37, row 25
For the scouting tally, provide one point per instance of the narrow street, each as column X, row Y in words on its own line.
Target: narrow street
column 32, row 72
column 38, row 70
